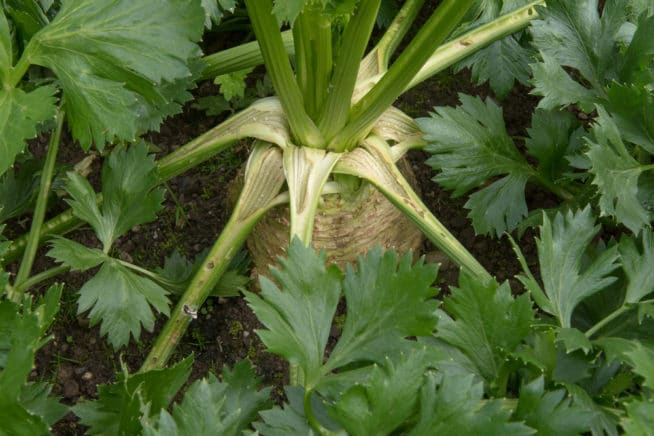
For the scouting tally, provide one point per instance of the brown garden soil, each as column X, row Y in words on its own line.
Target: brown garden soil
column 77, row 359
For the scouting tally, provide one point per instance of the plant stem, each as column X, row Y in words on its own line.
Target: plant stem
column 40, row 277
column 366, row 111
column 311, row 418
column 40, row 207
column 376, row 62
column 279, row 69
column 238, row 58
column 312, row 33
column 607, row 319
column 476, row 39
column 335, row 113
column 263, row 180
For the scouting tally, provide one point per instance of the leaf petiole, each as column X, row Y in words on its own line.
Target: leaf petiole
column 39, row 210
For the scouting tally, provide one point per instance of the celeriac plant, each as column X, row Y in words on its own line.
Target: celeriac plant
column 331, row 122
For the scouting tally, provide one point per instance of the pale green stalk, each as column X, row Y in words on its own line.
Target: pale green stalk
column 313, row 56
column 263, row 180
column 376, row 62
column 382, row 95
column 375, row 164
column 476, row 39
column 239, row 58
column 39, row 210
column 40, row 277
column 334, row 114
column 279, row 68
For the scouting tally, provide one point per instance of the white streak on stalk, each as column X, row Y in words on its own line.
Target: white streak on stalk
column 307, row 170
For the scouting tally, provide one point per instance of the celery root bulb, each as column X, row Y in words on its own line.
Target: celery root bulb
column 346, row 226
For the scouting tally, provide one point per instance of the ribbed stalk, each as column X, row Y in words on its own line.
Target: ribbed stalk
column 377, row 60
column 281, row 74
column 383, row 94
column 39, row 210
column 375, row 164
column 263, row 180
column 238, row 58
column 312, row 33
column 476, row 39
column 335, row 113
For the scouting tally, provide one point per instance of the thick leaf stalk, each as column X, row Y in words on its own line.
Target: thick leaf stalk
column 263, row 180
column 40, row 208
column 375, row 164
column 470, row 42
column 280, row 71
column 364, row 114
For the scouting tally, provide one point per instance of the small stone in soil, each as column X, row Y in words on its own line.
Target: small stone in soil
column 71, row 389
column 88, row 375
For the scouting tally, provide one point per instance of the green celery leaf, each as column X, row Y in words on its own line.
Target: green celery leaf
column 19, row 338
column 75, row 255
column 387, row 301
column 636, row 66
column 121, row 300
column 605, row 422
column 27, row 16
column 469, row 145
column 557, row 88
column 20, row 114
column 214, row 10
column 550, row 142
column 499, row 207
column 637, row 266
column 632, row 110
column 573, row 339
column 291, row 420
column 575, row 36
column 18, row 189
column 24, row 408
column 6, row 50
column 117, row 410
column 116, row 59
column 288, row 10
column 456, row 405
column 640, row 418
column 615, row 349
column 233, row 84
column 550, row 412
column 37, row 400
column 16, row 420
column 386, row 399
column 567, row 281
column 488, row 323
column 129, row 180
column 616, row 174
column 500, row 64
column 214, row 407
column 642, row 359
column 298, row 318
